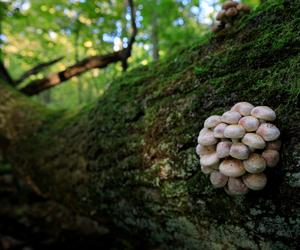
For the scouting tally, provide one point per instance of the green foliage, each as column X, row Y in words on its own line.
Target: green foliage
column 39, row 31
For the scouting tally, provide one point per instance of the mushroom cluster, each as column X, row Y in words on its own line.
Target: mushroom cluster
column 229, row 13
column 235, row 148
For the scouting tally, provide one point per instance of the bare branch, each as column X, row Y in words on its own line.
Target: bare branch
column 36, row 69
column 77, row 69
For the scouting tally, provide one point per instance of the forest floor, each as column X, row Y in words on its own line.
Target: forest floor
column 28, row 221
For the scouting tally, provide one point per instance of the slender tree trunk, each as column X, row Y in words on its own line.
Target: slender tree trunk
column 154, row 35
column 129, row 161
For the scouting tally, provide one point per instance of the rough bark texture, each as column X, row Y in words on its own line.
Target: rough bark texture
column 129, row 161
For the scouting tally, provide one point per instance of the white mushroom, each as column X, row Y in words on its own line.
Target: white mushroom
column 232, row 167
column 228, row 144
column 254, row 141
column 244, row 108
column 239, row 151
column 243, row 7
column 255, row 181
column 212, row 121
column 206, row 169
column 229, row 4
column 204, row 150
column 209, row 160
column 231, row 117
column 264, row 112
column 249, row 123
column 255, row 163
column 217, row 179
column 234, row 131
column 219, row 130
column 271, row 157
column 206, row 137
column 231, row 12
column 223, row 149
column 268, row 131
column 235, row 186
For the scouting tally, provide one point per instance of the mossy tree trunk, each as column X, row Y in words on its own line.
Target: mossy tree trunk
column 129, row 161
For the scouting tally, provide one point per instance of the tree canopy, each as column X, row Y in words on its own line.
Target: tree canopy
column 34, row 32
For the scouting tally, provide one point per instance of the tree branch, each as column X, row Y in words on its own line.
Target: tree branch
column 36, row 69
column 134, row 29
column 37, row 86
column 77, row 69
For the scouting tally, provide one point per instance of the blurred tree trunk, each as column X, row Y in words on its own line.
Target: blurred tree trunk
column 154, row 34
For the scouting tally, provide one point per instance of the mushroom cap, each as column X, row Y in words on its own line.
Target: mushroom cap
column 209, row 160
column 268, row 131
column 223, row 149
column 255, row 181
column 249, row 123
column 275, row 145
column 219, row 130
column 255, row 164
column 264, row 112
column 235, row 186
column 234, row 131
column 220, row 15
column 217, row 179
column 244, row 108
column 206, row 169
column 271, row 157
column 229, row 4
column 254, row 141
column 204, row 150
column 231, row 12
column 232, row 168
column 231, row 117
column 243, row 7
column 239, row 151
column 206, row 137
column 212, row 121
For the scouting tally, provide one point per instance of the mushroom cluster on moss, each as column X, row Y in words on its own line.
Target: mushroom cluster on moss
column 236, row 147
column 229, row 13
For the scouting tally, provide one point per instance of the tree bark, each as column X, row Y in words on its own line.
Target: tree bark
column 129, row 162
column 154, row 35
